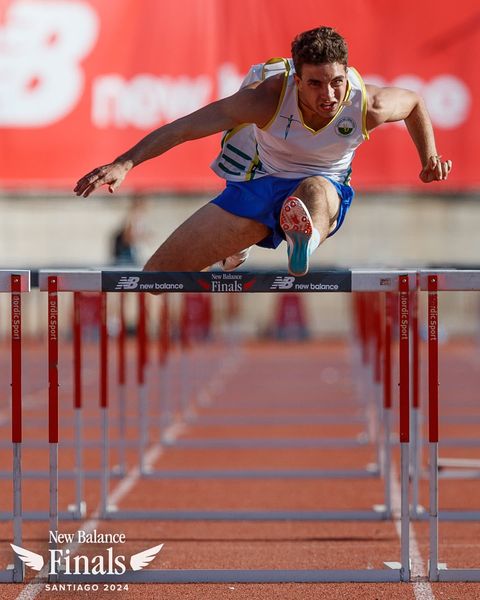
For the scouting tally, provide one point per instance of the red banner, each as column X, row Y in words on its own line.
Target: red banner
column 83, row 80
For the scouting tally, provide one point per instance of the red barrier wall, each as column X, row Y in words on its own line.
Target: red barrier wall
column 82, row 80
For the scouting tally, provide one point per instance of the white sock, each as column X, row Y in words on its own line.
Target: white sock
column 314, row 241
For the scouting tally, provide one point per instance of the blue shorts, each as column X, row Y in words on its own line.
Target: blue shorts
column 261, row 200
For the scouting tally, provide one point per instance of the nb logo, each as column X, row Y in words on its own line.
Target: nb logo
column 282, row 283
column 43, row 45
column 127, row 283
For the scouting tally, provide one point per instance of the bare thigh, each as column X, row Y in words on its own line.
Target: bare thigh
column 209, row 235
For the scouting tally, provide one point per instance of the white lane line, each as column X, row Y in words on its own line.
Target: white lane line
column 421, row 589
column 35, row 587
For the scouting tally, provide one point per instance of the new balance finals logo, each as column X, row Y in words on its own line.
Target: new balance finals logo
column 282, row 283
column 127, row 283
column 68, row 562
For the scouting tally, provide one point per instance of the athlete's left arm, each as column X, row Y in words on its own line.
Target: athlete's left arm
column 386, row 105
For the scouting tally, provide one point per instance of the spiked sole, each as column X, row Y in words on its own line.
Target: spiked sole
column 298, row 228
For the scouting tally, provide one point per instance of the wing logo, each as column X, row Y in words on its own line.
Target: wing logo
column 142, row 559
column 31, row 559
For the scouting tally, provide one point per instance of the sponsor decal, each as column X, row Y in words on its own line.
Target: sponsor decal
column 127, row 283
column 282, row 283
column 43, row 47
column 226, row 282
column 317, row 287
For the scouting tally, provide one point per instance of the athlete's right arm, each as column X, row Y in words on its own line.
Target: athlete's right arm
column 253, row 104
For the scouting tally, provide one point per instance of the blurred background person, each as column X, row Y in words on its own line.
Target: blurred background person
column 127, row 240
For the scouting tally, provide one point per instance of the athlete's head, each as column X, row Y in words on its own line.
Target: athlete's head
column 320, row 58
column 319, row 46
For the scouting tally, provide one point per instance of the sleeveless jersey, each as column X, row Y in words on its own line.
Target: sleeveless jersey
column 286, row 147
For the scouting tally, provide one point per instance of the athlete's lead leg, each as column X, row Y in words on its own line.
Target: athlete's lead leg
column 307, row 217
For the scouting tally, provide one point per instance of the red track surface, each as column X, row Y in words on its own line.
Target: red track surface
column 263, row 380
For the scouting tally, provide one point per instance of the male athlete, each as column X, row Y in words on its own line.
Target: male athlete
column 291, row 133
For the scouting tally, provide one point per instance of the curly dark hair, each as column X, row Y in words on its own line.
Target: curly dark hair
column 317, row 46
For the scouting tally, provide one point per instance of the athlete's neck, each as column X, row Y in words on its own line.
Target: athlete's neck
column 310, row 117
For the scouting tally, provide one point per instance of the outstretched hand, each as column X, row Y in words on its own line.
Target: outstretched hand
column 435, row 169
column 112, row 175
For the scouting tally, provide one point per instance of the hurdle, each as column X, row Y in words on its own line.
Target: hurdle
column 377, row 512
column 399, row 282
column 77, row 510
column 15, row 283
column 373, row 343
column 432, row 283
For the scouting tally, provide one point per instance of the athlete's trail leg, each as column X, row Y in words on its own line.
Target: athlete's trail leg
column 207, row 237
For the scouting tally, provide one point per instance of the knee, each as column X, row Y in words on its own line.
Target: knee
column 313, row 187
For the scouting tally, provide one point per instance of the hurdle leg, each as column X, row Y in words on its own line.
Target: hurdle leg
column 105, row 459
column 143, row 405
column 387, row 404
column 404, row 350
column 166, row 413
column 18, row 566
column 53, row 407
column 433, row 566
column 104, row 464
column 16, row 315
column 417, row 509
column 165, row 408
column 122, row 430
column 121, row 374
column 141, row 381
column 79, row 509
column 378, row 400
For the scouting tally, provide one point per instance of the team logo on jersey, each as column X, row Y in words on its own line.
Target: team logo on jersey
column 345, row 127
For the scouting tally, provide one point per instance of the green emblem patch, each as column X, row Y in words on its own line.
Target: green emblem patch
column 345, row 127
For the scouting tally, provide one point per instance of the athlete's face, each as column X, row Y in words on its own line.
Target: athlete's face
column 321, row 88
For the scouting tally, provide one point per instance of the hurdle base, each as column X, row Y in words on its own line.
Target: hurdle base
column 466, row 575
column 222, row 443
column 78, row 511
column 377, row 513
column 10, row 575
column 452, row 515
column 443, row 573
column 390, row 574
column 383, row 511
column 39, row 515
column 418, row 512
column 370, row 471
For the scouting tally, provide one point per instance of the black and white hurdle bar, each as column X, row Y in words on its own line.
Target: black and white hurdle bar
column 332, row 281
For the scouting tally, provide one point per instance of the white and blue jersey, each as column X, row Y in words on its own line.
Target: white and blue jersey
column 263, row 166
column 286, row 146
